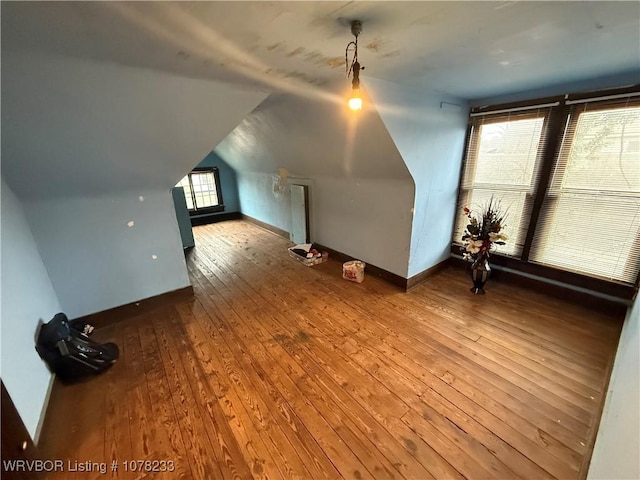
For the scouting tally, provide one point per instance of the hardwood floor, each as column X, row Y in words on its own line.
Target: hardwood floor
column 277, row 370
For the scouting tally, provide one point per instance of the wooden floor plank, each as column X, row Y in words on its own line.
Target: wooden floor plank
column 537, row 437
column 277, row 370
column 117, row 431
column 545, row 442
column 167, row 440
column 404, row 436
column 491, row 372
column 375, row 463
column 140, row 423
column 315, row 459
column 231, row 459
column 551, row 424
column 261, row 407
column 285, row 374
column 205, row 460
column 498, row 372
column 555, row 418
column 533, row 328
column 501, row 340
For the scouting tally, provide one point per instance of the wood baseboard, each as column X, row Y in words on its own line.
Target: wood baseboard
column 397, row 280
column 43, row 411
column 417, row 279
column 594, row 300
column 266, row 226
column 557, row 275
column 214, row 218
column 370, row 269
column 130, row 310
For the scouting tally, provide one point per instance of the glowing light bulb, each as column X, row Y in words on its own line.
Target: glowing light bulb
column 355, row 103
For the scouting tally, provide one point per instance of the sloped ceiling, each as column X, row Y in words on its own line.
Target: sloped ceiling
column 206, row 65
column 313, row 138
column 75, row 127
column 466, row 49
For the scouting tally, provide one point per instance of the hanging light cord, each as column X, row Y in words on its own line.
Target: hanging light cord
column 354, row 66
column 349, row 67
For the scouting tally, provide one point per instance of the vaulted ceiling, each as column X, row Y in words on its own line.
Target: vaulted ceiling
column 470, row 50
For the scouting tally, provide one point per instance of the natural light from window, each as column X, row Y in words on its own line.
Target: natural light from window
column 200, row 190
column 504, row 166
column 592, row 221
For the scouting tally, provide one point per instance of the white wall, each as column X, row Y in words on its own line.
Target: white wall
column 615, row 455
column 96, row 261
column 361, row 190
column 429, row 131
column 27, row 297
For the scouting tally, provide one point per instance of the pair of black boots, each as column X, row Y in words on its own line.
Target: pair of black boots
column 70, row 353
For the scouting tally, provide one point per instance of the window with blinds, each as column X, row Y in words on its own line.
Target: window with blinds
column 589, row 222
column 503, row 161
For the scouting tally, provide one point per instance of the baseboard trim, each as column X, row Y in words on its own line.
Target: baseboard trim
column 266, row 226
column 387, row 276
column 589, row 298
column 370, row 269
column 214, row 218
column 43, row 411
column 423, row 276
column 130, row 310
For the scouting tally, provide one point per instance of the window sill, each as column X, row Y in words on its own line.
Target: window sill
column 612, row 288
column 206, row 211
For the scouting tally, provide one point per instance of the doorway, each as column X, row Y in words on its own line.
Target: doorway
column 299, row 214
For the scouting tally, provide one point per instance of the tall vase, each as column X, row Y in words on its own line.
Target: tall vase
column 480, row 271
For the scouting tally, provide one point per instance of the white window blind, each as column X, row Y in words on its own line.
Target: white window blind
column 590, row 218
column 503, row 160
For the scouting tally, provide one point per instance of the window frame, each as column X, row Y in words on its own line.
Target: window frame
column 472, row 146
column 195, row 211
column 554, row 191
column 556, row 127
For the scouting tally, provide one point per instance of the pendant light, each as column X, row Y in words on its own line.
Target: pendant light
column 355, row 100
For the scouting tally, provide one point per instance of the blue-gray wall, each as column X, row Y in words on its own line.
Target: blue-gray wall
column 87, row 148
column 361, row 193
column 109, row 144
column 27, row 297
column 429, row 130
column 383, row 181
column 109, row 250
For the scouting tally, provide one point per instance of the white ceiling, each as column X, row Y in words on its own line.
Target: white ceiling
column 471, row 49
